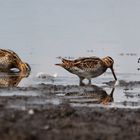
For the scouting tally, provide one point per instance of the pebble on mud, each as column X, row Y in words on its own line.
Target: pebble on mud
column 31, row 112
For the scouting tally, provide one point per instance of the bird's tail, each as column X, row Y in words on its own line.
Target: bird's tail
column 65, row 63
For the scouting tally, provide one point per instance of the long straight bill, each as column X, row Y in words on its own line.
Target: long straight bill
column 113, row 73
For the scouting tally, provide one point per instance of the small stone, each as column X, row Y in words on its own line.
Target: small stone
column 46, row 127
column 31, row 112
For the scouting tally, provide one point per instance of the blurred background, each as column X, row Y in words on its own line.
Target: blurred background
column 39, row 31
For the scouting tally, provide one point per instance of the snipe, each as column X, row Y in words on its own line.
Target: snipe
column 88, row 67
column 9, row 60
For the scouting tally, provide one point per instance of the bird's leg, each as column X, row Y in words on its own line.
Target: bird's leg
column 89, row 81
column 80, row 81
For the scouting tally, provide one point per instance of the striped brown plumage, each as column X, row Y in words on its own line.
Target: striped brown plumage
column 9, row 59
column 88, row 67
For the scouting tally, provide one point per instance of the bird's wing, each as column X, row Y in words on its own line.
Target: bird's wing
column 2, row 53
column 9, row 58
column 86, row 58
column 89, row 62
column 10, row 53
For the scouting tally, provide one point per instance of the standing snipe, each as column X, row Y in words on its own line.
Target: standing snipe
column 9, row 60
column 88, row 67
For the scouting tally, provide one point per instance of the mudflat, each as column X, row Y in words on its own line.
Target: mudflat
column 56, row 112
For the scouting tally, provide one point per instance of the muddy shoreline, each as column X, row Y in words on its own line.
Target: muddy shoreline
column 37, row 116
column 64, row 122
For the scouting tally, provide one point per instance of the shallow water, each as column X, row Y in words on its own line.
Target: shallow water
column 41, row 31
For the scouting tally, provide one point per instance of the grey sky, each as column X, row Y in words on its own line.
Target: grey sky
column 49, row 28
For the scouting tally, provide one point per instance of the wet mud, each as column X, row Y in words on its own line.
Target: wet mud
column 56, row 112
column 64, row 122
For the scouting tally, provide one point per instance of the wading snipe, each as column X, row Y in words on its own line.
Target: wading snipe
column 10, row 60
column 88, row 67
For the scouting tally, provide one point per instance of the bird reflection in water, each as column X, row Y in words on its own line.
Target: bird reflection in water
column 12, row 79
column 97, row 96
column 108, row 98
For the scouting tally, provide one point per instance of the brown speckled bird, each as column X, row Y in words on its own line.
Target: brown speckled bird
column 88, row 67
column 10, row 60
